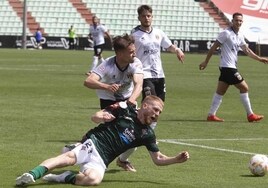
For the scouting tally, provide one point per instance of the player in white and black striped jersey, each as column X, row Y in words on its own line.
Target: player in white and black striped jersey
column 148, row 42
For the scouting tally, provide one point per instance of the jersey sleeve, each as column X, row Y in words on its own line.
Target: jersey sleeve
column 242, row 41
column 137, row 67
column 166, row 42
column 152, row 146
column 222, row 37
column 103, row 68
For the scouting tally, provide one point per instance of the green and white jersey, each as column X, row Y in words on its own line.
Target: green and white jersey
column 125, row 132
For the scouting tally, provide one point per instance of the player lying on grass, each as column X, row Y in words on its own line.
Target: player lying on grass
column 121, row 127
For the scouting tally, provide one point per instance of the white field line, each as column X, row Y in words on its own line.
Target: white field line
column 177, row 141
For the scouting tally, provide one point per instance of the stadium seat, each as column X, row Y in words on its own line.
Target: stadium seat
column 174, row 17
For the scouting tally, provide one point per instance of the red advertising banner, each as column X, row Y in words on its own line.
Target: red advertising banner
column 255, row 8
column 255, row 13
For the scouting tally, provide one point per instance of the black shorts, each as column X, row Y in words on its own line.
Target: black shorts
column 230, row 76
column 154, row 86
column 98, row 49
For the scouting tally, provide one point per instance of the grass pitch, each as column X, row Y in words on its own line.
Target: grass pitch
column 44, row 106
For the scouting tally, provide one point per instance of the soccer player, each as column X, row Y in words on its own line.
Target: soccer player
column 119, row 77
column 230, row 41
column 148, row 42
column 121, row 127
column 97, row 33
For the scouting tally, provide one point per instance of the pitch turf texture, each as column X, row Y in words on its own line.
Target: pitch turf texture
column 44, row 106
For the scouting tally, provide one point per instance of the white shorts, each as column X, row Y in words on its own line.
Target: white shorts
column 88, row 157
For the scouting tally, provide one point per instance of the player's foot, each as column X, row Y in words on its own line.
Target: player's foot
column 25, row 178
column 57, row 177
column 67, row 148
column 255, row 117
column 214, row 118
column 125, row 165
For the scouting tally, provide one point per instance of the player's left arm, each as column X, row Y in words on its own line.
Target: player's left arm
column 160, row 159
column 138, row 81
column 177, row 51
column 107, row 34
column 251, row 54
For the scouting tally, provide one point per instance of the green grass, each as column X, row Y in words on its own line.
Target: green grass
column 44, row 105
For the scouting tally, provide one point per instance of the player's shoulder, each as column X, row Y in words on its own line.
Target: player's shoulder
column 136, row 65
column 110, row 61
column 135, row 29
column 137, row 62
column 157, row 31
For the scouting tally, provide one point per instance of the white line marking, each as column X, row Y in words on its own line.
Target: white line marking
column 219, row 139
column 174, row 141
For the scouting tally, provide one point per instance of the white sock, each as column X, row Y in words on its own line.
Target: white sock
column 246, row 102
column 94, row 63
column 216, row 102
column 124, row 156
column 57, row 178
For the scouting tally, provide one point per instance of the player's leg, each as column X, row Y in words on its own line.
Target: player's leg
column 63, row 160
column 122, row 160
column 244, row 96
column 100, row 50
column 160, row 91
column 148, row 88
column 92, row 167
column 216, row 101
column 89, row 177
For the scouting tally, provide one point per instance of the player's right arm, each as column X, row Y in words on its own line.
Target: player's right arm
column 93, row 82
column 214, row 47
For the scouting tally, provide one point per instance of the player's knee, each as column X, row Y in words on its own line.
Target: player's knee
column 93, row 179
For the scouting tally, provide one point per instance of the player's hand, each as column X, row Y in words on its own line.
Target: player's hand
column 264, row 60
column 182, row 157
column 114, row 87
column 180, row 55
column 107, row 117
column 202, row 66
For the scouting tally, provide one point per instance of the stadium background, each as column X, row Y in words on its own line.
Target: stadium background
column 191, row 24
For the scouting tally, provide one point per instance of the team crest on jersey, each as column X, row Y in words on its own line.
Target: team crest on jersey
column 157, row 37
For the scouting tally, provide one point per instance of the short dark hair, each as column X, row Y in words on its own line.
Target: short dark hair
column 143, row 8
column 237, row 14
column 122, row 42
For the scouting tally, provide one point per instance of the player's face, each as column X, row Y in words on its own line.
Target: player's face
column 237, row 22
column 130, row 53
column 152, row 112
column 145, row 18
column 95, row 21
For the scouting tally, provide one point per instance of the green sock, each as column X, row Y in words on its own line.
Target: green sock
column 70, row 178
column 38, row 172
